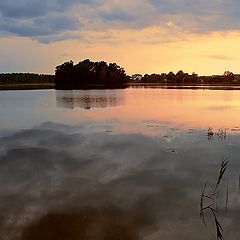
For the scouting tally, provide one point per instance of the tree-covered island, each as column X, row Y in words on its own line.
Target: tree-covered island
column 88, row 73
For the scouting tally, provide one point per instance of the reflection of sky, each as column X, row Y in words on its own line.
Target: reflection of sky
column 133, row 170
column 52, row 169
column 128, row 110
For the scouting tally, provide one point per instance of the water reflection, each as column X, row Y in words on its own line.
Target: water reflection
column 107, row 223
column 111, row 186
column 129, row 172
column 191, row 87
column 88, row 99
column 129, row 110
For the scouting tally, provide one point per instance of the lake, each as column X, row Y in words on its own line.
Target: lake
column 120, row 164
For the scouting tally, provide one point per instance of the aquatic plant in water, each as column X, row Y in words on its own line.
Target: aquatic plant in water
column 209, row 200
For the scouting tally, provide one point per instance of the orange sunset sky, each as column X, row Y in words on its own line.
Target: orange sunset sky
column 143, row 36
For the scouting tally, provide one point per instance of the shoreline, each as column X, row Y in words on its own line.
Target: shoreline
column 27, row 86
column 218, row 86
column 42, row 86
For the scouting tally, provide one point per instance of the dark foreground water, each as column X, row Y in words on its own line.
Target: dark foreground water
column 118, row 164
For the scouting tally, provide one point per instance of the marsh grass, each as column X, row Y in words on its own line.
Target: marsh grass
column 209, row 200
column 226, row 200
column 219, row 229
column 221, row 172
column 238, row 185
column 220, row 133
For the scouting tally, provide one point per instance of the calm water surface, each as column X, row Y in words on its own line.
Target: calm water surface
column 118, row 164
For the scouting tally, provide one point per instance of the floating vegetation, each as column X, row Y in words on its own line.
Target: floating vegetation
column 166, row 136
column 210, row 133
column 174, row 129
column 152, row 126
column 172, row 150
column 235, row 129
column 209, row 201
column 191, row 130
column 221, row 134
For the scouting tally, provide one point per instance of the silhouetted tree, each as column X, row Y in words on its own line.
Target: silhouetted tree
column 180, row 76
column 229, row 76
column 90, row 73
column 171, row 77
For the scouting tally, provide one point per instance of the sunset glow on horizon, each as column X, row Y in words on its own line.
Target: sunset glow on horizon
column 152, row 36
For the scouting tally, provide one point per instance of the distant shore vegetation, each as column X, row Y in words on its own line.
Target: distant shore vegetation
column 185, row 78
column 90, row 74
column 25, row 78
column 86, row 73
column 26, row 81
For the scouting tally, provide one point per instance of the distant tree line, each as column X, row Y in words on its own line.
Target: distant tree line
column 185, row 78
column 25, row 78
column 180, row 77
column 87, row 73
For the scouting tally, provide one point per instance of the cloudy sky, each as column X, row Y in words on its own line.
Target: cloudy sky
column 143, row 36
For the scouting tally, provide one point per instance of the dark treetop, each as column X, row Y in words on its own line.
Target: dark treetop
column 87, row 73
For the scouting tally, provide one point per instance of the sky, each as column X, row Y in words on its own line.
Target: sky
column 143, row 36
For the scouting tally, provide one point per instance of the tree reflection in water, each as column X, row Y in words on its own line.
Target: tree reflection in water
column 88, row 99
column 108, row 223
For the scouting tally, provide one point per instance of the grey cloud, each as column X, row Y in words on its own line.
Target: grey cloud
column 200, row 16
column 50, row 21
column 21, row 9
column 45, row 21
column 46, row 39
column 34, row 8
column 116, row 14
column 41, row 26
column 185, row 6
column 190, row 16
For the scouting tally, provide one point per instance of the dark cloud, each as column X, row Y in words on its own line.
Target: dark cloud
column 116, row 14
column 41, row 26
column 185, row 6
column 201, row 16
column 45, row 21
column 25, row 9
column 49, row 21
